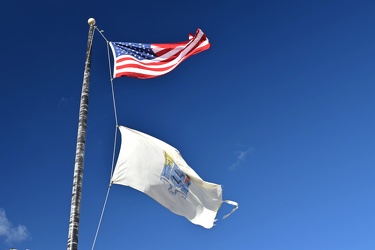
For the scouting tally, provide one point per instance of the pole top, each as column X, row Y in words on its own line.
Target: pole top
column 91, row 21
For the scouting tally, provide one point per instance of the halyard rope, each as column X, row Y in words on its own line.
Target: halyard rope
column 115, row 137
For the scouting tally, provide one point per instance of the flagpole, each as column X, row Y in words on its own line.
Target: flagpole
column 80, row 148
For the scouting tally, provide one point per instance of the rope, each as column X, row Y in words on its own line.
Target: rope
column 113, row 92
column 110, row 76
column 101, row 217
column 101, row 33
column 114, row 109
column 115, row 136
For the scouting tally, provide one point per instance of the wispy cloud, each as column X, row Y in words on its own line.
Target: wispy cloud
column 12, row 233
column 241, row 157
column 63, row 102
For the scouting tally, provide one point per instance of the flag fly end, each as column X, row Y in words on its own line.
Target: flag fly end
column 233, row 203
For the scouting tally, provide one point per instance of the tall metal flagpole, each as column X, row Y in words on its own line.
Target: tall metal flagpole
column 80, row 149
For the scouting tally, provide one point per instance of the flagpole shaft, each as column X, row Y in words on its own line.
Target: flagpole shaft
column 80, row 148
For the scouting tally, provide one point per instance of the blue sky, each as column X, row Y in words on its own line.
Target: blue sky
column 280, row 111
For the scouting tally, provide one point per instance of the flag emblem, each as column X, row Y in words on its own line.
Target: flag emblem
column 177, row 180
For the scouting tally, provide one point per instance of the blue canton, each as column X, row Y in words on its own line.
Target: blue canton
column 140, row 51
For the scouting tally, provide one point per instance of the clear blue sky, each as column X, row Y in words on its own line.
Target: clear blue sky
column 280, row 111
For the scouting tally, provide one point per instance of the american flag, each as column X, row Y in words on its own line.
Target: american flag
column 144, row 61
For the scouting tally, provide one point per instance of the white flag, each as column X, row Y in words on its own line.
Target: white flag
column 158, row 170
